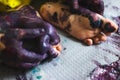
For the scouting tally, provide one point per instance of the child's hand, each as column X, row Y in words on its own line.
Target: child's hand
column 27, row 39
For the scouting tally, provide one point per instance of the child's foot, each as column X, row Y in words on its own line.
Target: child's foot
column 88, row 26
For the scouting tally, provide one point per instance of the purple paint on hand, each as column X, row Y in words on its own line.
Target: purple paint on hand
column 28, row 39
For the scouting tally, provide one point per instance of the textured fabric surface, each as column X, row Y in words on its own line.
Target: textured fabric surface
column 76, row 60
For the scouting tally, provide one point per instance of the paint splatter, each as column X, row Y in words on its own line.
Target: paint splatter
column 108, row 50
column 64, row 48
column 38, row 77
column 35, row 70
column 115, row 8
column 106, row 72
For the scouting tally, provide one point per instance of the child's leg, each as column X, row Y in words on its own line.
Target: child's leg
column 87, row 26
column 93, row 5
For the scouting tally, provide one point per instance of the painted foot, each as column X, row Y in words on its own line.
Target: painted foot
column 89, row 27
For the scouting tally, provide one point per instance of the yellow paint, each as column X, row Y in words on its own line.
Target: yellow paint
column 10, row 5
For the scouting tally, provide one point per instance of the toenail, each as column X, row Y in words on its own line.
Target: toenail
column 102, row 33
column 109, row 28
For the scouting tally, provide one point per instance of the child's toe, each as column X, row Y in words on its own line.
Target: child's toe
column 96, row 40
column 100, row 38
column 108, row 26
column 88, row 41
